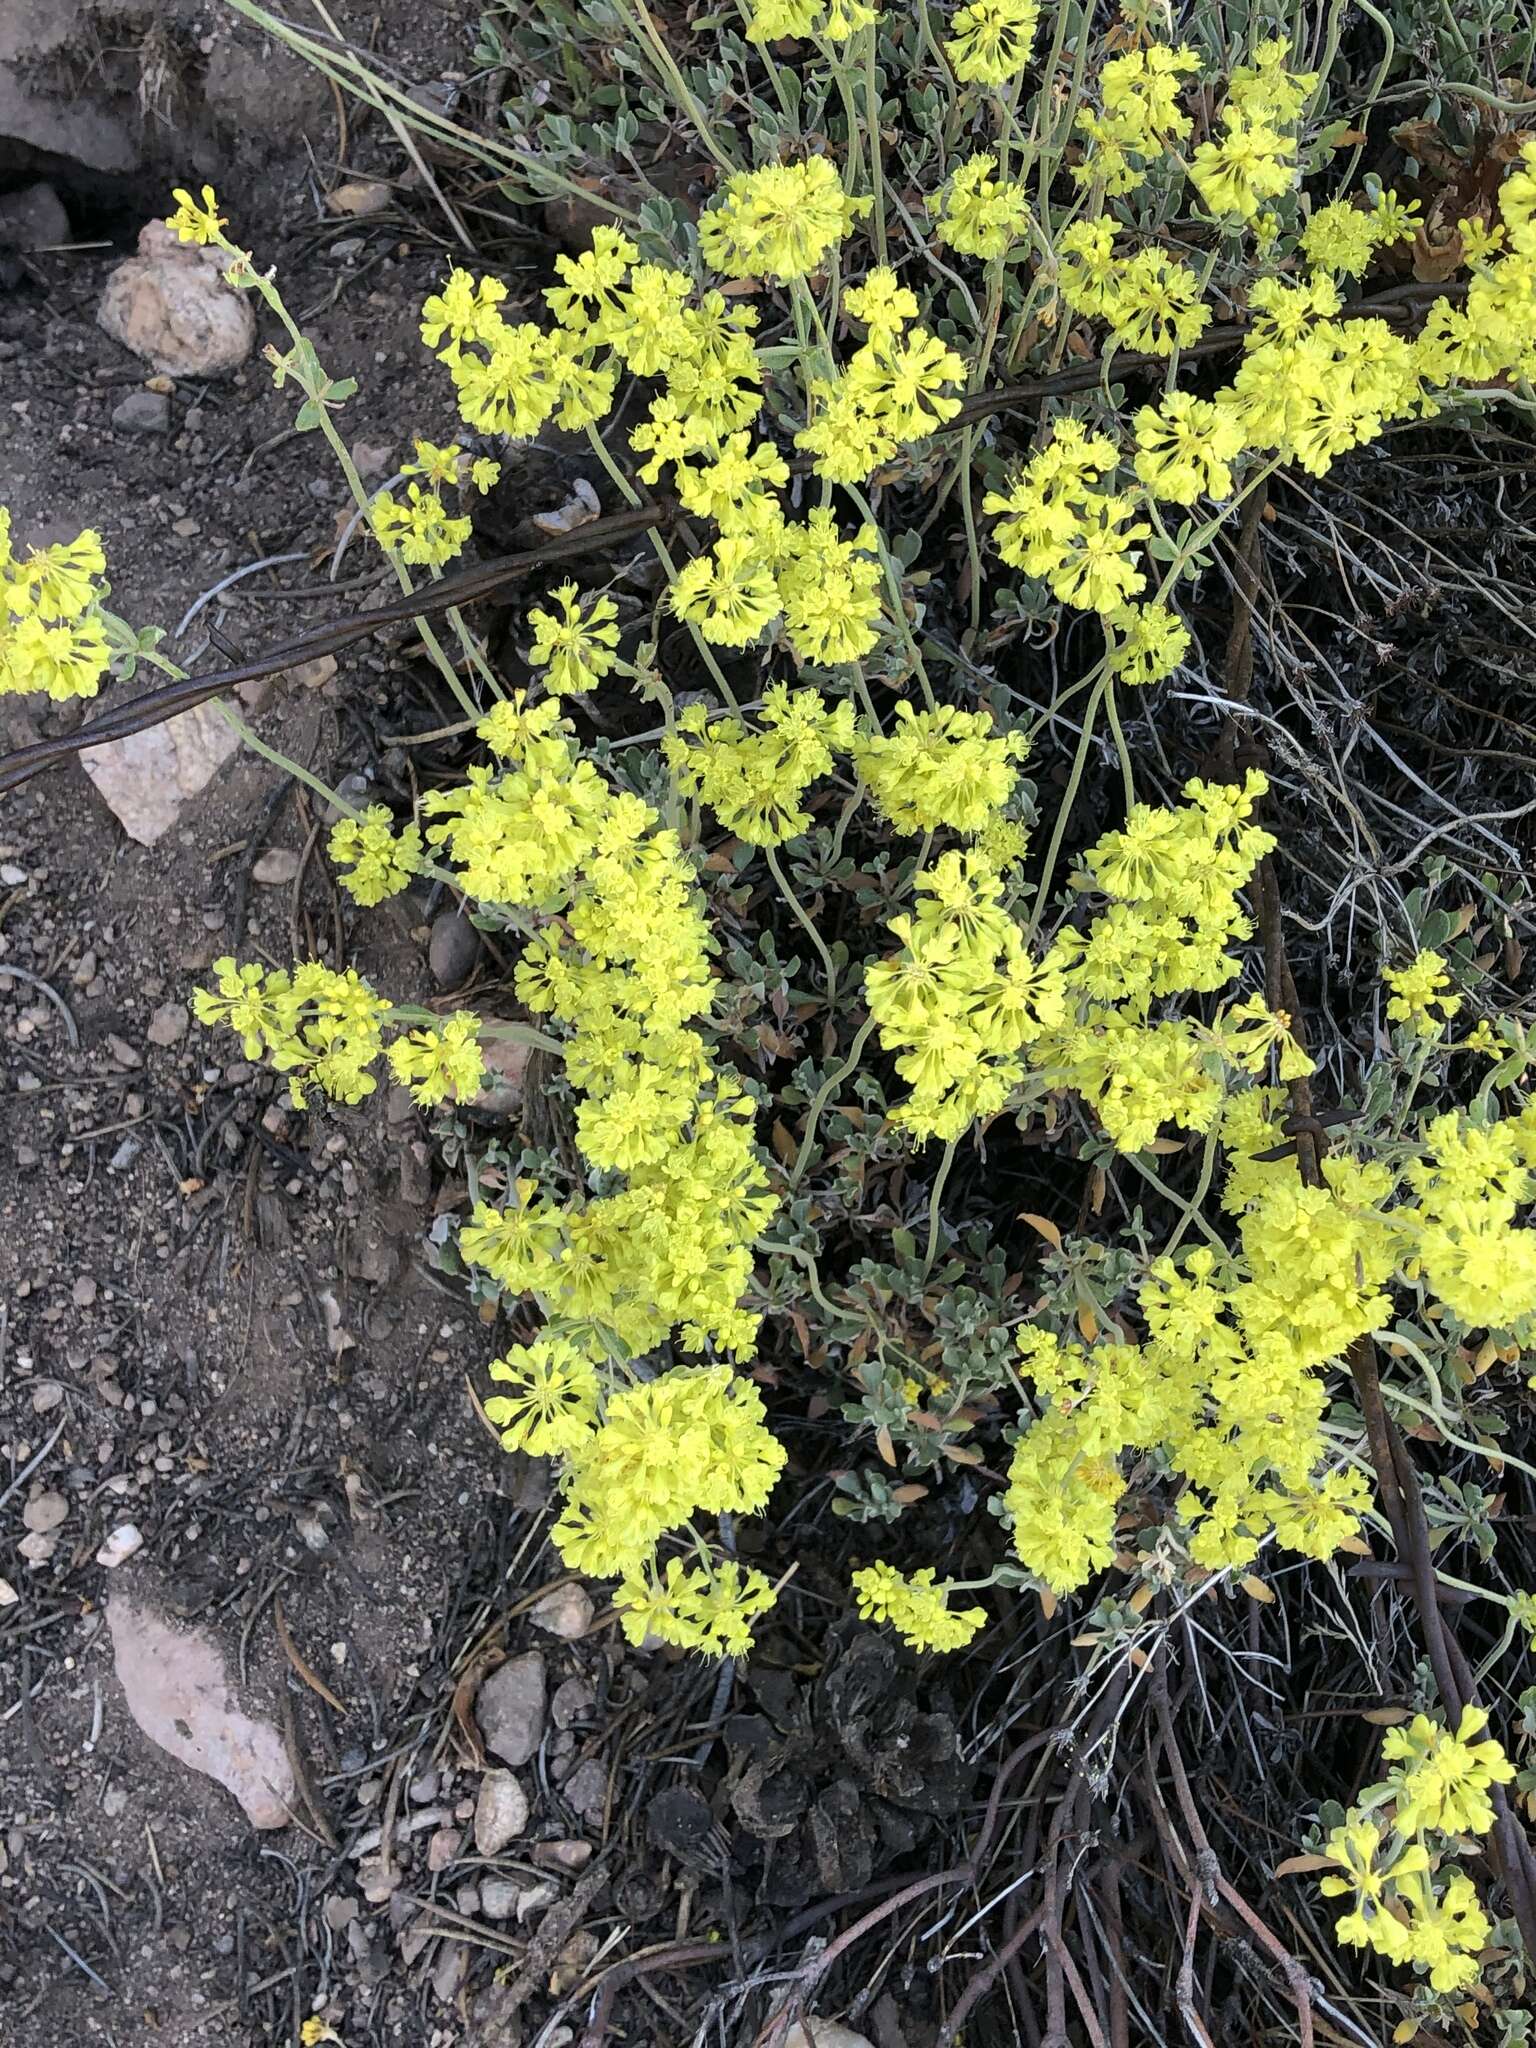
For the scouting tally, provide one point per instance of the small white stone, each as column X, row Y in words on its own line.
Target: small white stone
column 122, row 1544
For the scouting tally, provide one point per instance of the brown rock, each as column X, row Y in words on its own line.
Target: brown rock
column 44, row 1513
column 178, row 1692
column 359, row 197
column 170, row 305
column 277, row 866
column 506, row 1071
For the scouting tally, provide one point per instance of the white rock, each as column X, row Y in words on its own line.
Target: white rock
column 814, row 2033
column 147, row 778
column 8, row 1594
column 124, row 1542
column 178, row 1692
column 501, row 1812
column 170, row 305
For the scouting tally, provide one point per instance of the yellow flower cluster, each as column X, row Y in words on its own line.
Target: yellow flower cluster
column 1057, row 523
column 1468, row 1185
column 51, row 635
column 754, row 782
column 690, row 1441
column 891, row 392
column 442, row 1062
column 916, row 1607
column 1253, row 158
column 962, row 1000
column 981, row 215
column 420, row 530
column 320, row 1027
column 1343, row 236
column 382, row 861
column 1390, row 1856
column 1226, row 1386
column 1420, row 991
column 325, row 1029
column 642, row 1457
column 832, row 21
column 1488, row 334
column 621, row 956
column 574, row 647
column 1229, row 1385
column 782, row 221
column 990, row 40
column 1151, row 301
column 1141, row 117
column 939, row 769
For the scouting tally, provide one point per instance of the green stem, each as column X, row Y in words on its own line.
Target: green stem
column 819, row 1100
column 1063, row 809
column 805, row 922
column 934, row 1200
column 1126, row 776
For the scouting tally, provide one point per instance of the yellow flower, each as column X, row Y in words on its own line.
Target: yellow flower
column 553, row 1407
column 1419, row 990
column 1152, row 642
column 382, row 864
column 780, row 221
column 1442, row 1780
column 1184, row 449
column 916, row 1607
column 419, row 531
column 1246, row 164
column 981, row 215
column 990, row 40
column 576, row 649
column 194, row 220
column 441, row 1061
column 729, row 593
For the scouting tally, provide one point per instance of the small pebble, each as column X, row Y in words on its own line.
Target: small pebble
column 125, row 1054
column 124, row 1542
column 143, row 412
column 571, row 1856
column 277, row 865
column 46, row 1512
column 169, row 1024
column 566, row 1611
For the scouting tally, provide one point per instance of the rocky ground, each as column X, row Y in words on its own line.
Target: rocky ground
column 256, row 1553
